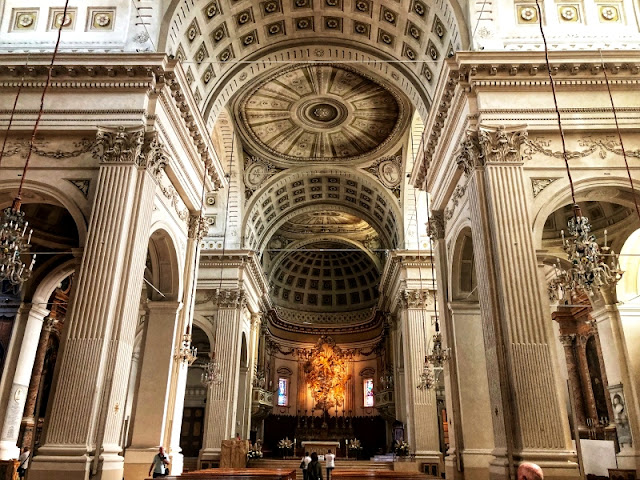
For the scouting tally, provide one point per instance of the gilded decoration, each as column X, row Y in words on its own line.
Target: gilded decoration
column 327, row 373
column 321, row 113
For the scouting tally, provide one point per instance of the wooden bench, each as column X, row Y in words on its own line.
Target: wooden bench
column 338, row 474
column 237, row 474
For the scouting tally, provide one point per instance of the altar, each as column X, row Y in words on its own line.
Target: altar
column 321, row 446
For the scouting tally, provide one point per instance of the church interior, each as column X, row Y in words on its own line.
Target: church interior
column 407, row 231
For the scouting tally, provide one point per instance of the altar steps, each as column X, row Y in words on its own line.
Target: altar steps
column 341, row 464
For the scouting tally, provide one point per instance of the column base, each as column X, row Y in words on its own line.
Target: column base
column 209, row 458
column 628, row 459
column 137, row 462
column 451, row 467
column 433, row 460
column 68, row 463
column 477, row 464
column 556, row 464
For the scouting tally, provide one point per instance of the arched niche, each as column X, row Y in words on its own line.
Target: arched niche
column 463, row 276
column 162, row 270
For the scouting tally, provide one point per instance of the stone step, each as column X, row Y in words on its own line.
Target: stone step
column 342, row 464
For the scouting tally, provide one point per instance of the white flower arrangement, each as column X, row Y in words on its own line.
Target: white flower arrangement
column 285, row 443
column 355, row 444
column 402, row 449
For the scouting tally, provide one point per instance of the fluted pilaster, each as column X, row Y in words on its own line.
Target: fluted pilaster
column 529, row 415
column 88, row 405
column 220, row 415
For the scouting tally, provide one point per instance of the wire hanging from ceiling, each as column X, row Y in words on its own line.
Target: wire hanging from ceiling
column 588, row 271
column 615, row 117
column 13, row 110
column 14, row 239
column 212, row 374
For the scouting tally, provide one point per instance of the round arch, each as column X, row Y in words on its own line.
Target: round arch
column 36, row 192
column 51, row 281
column 462, row 277
column 165, row 269
column 557, row 194
column 341, row 188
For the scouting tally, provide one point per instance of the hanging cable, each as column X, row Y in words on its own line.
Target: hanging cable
column 41, row 111
column 615, row 117
column 13, row 110
column 555, row 102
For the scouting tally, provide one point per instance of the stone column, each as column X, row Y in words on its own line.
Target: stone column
column 197, row 230
column 530, row 419
column 585, row 378
column 453, row 461
column 574, row 378
column 220, row 415
column 151, row 403
column 619, row 376
column 422, row 411
column 20, row 384
column 28, row 419
column 82, row 439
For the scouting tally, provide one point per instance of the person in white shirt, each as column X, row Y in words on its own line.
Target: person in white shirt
column 330, row 459
column 159, row 464
column 24, row 462
column 306, row 460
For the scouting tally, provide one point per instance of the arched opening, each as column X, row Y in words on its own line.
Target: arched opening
column 192, row 430
column 475, row 439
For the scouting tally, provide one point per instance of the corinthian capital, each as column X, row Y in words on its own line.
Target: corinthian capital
column 436, row 226
column 118, row 145
column 502, row 144
column 417, row 298
column 229, row 298
column 469, row 155
column 197, row 227
column 153, row 156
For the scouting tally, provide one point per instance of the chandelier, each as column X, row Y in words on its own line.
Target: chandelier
column 186, row 352
column 212, row 374
column 386, row 379
column 589, row 270
column 426, row 380
column 13, row 244
column 438, row 355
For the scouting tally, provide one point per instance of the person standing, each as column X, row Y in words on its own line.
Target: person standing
column 330, row 459
column 24, row 462
column 304, row 465
column 159, row 464
column 314, row 469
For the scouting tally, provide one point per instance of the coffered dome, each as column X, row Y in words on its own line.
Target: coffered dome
column 320, row 113
column 325, row 276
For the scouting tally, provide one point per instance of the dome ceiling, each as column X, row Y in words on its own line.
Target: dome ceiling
column 323, row 276
column 320, row 113
column 326, row 221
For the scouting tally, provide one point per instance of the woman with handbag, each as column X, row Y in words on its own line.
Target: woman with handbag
column 24, row 462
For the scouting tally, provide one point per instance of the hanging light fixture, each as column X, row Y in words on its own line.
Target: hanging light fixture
column 426, row 380
column 14, row 239
column 438, row 355
column 186, row 352
column 14, row 242
column 588, row 270
column 212, row 373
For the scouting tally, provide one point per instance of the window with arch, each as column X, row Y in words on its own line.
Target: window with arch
column 368, row 392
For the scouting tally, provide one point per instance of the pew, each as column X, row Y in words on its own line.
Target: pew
column 376, row 474
column 236, row 474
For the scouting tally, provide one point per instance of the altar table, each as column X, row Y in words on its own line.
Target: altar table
column 320, row 446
